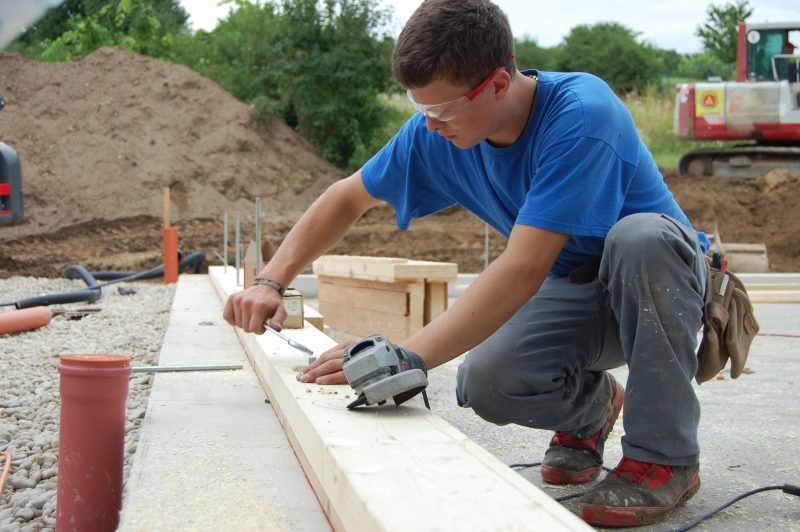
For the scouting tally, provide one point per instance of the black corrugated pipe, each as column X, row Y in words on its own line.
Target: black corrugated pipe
column 93, row 293
column 197, row 258
column 76, row 271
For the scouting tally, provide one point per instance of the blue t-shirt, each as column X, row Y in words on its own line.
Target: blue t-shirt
column 578, row 168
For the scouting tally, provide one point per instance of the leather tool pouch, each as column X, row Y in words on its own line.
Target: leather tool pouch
column 729, row 325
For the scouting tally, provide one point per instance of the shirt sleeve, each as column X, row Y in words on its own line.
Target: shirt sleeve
column 405, row 174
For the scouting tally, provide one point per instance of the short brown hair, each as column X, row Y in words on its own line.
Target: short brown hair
column 457, row 41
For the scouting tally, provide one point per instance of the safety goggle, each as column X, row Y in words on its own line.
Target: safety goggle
column 448, row 110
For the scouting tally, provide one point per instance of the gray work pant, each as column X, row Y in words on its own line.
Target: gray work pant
column 544, row 368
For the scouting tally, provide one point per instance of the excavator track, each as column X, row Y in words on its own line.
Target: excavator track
column 739, row 162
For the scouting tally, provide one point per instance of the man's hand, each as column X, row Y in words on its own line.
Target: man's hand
column 327, row 369
column 252, row 307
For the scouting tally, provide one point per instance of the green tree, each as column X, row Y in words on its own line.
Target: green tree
column 531, row 55
column 611, row 51
column 703, row 65
column 321, row 66
column 336, row 69
column 719, row 32
column 244, row 54
column 78, row 27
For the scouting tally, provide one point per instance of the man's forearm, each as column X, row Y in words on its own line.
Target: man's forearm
column 320, row 228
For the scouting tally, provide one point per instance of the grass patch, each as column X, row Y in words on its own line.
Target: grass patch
column 653, row 113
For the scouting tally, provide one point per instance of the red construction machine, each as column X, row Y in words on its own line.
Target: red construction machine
column 761, row 106
column 11, row 203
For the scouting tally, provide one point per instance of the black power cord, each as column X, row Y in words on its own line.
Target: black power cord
column 791, row 489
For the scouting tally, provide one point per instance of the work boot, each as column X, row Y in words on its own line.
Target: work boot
column 573, row 460
column 637, row 493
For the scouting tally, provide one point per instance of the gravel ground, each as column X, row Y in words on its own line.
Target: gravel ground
column 29, row 385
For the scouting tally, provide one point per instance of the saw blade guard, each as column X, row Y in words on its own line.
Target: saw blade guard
column 374, row 369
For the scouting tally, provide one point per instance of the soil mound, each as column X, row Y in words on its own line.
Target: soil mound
column 100, row 137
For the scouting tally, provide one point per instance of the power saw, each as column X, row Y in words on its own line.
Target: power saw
column 378, row 370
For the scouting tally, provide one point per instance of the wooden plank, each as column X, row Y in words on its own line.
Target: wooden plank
column 399, row 286
column 774, row 296
column 386, row 301
column 772, row 288
column 210, row 451
column 416, row 308
column 362, row 463
column 435, row 300
column 364, row 322
column 314, row 318
column 386, row 269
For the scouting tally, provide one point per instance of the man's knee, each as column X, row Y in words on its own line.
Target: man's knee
column 637, row 232
column 645, row 239
column 476, row 389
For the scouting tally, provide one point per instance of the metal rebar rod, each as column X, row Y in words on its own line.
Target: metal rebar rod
column 237, row 245
column 258, row 236
column 225, row 243
column 171, row 369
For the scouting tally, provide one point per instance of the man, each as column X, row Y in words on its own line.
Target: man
column 601, row 268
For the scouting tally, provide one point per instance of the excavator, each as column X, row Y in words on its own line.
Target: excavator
column 761, row 108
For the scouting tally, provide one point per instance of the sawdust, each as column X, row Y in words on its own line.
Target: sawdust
column 99, row 137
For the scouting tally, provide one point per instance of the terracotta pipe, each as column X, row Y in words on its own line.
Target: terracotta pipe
column 170, row 255
column 27, row 319
column 91, row 441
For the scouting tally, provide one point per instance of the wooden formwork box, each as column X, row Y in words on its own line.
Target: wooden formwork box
column 392, row 296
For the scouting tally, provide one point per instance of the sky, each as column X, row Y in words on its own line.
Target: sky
column 668, row 24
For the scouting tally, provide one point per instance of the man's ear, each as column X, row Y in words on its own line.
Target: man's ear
column 501, row 84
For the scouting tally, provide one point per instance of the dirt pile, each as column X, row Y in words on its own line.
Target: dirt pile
column 99, row 137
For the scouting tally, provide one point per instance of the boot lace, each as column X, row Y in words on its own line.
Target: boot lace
column 643, row 474
column 564, row 439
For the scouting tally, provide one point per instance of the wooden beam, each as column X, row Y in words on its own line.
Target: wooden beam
column 385, row 269
column 400, row 286
column 314, row 318
column 386, row 301
column 435, row 300
column 390, row 468
column 774, row 296
column 364, row 322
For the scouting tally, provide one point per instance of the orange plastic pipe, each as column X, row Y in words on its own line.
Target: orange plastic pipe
column 24, row 320
column 170, row 255
column 6, row 468
column 91, row 444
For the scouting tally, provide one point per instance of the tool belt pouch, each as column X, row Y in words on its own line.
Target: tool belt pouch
column 729, row 326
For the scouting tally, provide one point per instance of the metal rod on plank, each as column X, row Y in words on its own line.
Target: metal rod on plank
column 237, row 245
column 225, row 243
column 171, row 369
column 258, row 236
column 294, row 343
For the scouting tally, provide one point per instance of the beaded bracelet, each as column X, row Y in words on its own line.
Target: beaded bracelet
column 269, row 282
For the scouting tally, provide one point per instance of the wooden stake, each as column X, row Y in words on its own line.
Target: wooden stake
column 166, row 206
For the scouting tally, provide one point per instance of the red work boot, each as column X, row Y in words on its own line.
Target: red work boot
column 637, row 493
column 573, row 460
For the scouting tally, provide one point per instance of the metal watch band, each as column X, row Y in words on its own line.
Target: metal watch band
column 269, row 282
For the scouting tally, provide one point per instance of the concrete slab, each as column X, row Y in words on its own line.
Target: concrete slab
column 749, row 433
column 212, row 454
